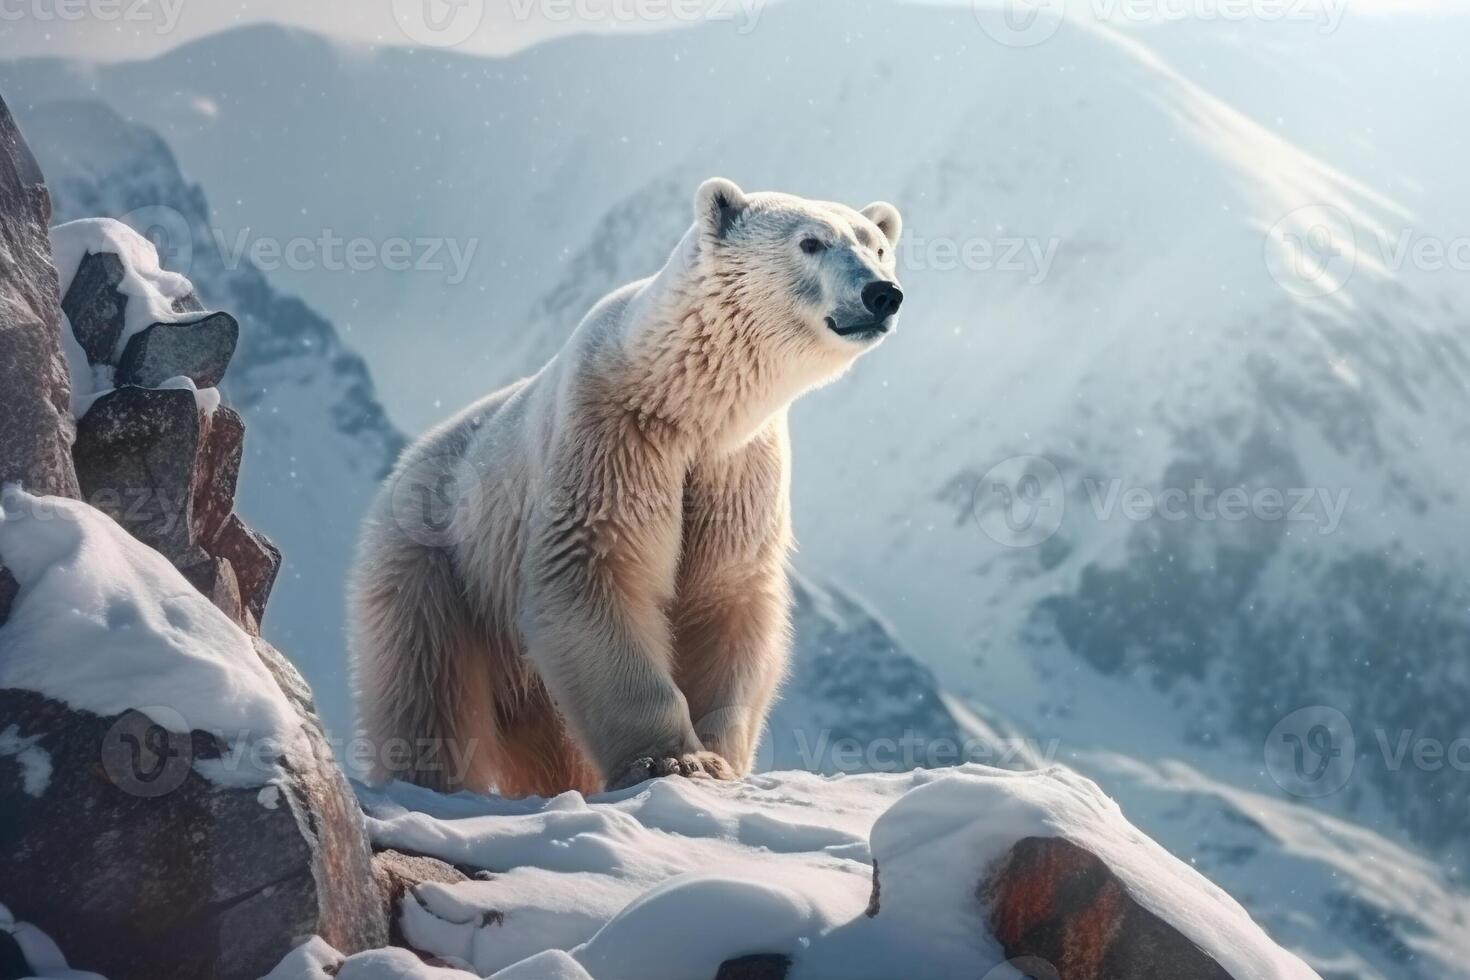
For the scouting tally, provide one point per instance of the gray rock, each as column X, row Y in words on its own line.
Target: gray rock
column 36, row 427
column 12, row 960
column 140, row 867
column 9, row 587
column 196, row 349
column 137, row 454
column 94, row 306
column 757, row 966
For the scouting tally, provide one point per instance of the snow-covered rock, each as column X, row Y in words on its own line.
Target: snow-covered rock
column 677, row 877
column 172, row 805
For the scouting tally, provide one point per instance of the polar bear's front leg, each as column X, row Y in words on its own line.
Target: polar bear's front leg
column 732, row 615
column 598, row 575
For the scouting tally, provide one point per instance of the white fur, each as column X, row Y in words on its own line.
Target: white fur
column 605, row 598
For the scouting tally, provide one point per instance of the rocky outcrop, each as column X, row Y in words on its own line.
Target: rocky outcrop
column 35, row 427
column 164, row 462
column 1058, row 906
column 145, row 849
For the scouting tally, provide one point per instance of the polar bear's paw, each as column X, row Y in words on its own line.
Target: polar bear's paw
column 695, row 765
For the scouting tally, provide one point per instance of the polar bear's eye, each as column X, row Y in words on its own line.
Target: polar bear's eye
column 812, row 246
column 880, row 253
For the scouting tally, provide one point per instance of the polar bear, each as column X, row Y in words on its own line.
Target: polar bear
column 579, row 582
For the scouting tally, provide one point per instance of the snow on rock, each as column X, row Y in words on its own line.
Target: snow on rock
column 151, row 292
column 968, row 822
column 315, row 959
column 106, row 624
column 127, row 321
column 552, row 964
column 34, row 761
column 141, row 719
column 675, row 877
column 45, row 960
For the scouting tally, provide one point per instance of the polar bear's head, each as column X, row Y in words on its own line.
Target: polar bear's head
column 810, row 275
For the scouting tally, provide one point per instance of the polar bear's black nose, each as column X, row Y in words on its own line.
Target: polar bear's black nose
column 882, row 298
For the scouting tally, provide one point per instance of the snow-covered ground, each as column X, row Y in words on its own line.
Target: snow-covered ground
column 667, row 880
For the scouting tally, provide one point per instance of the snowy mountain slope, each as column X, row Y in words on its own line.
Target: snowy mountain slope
column 318, row 439
column 1144, row 318
column 1364, row 96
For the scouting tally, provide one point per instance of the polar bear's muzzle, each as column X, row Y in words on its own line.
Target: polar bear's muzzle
column 881, row 300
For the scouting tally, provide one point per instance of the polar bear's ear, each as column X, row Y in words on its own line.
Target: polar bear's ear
column 717, row 204
column 887, row 218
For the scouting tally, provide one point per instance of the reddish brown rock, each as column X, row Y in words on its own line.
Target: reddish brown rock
column 256, row 562
column 218, row 472
column 1053, row 901
column 215, row 579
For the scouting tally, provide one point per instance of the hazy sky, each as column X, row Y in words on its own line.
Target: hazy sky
column 125, row 29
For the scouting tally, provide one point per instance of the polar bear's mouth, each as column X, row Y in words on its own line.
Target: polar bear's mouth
column 864, row 330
